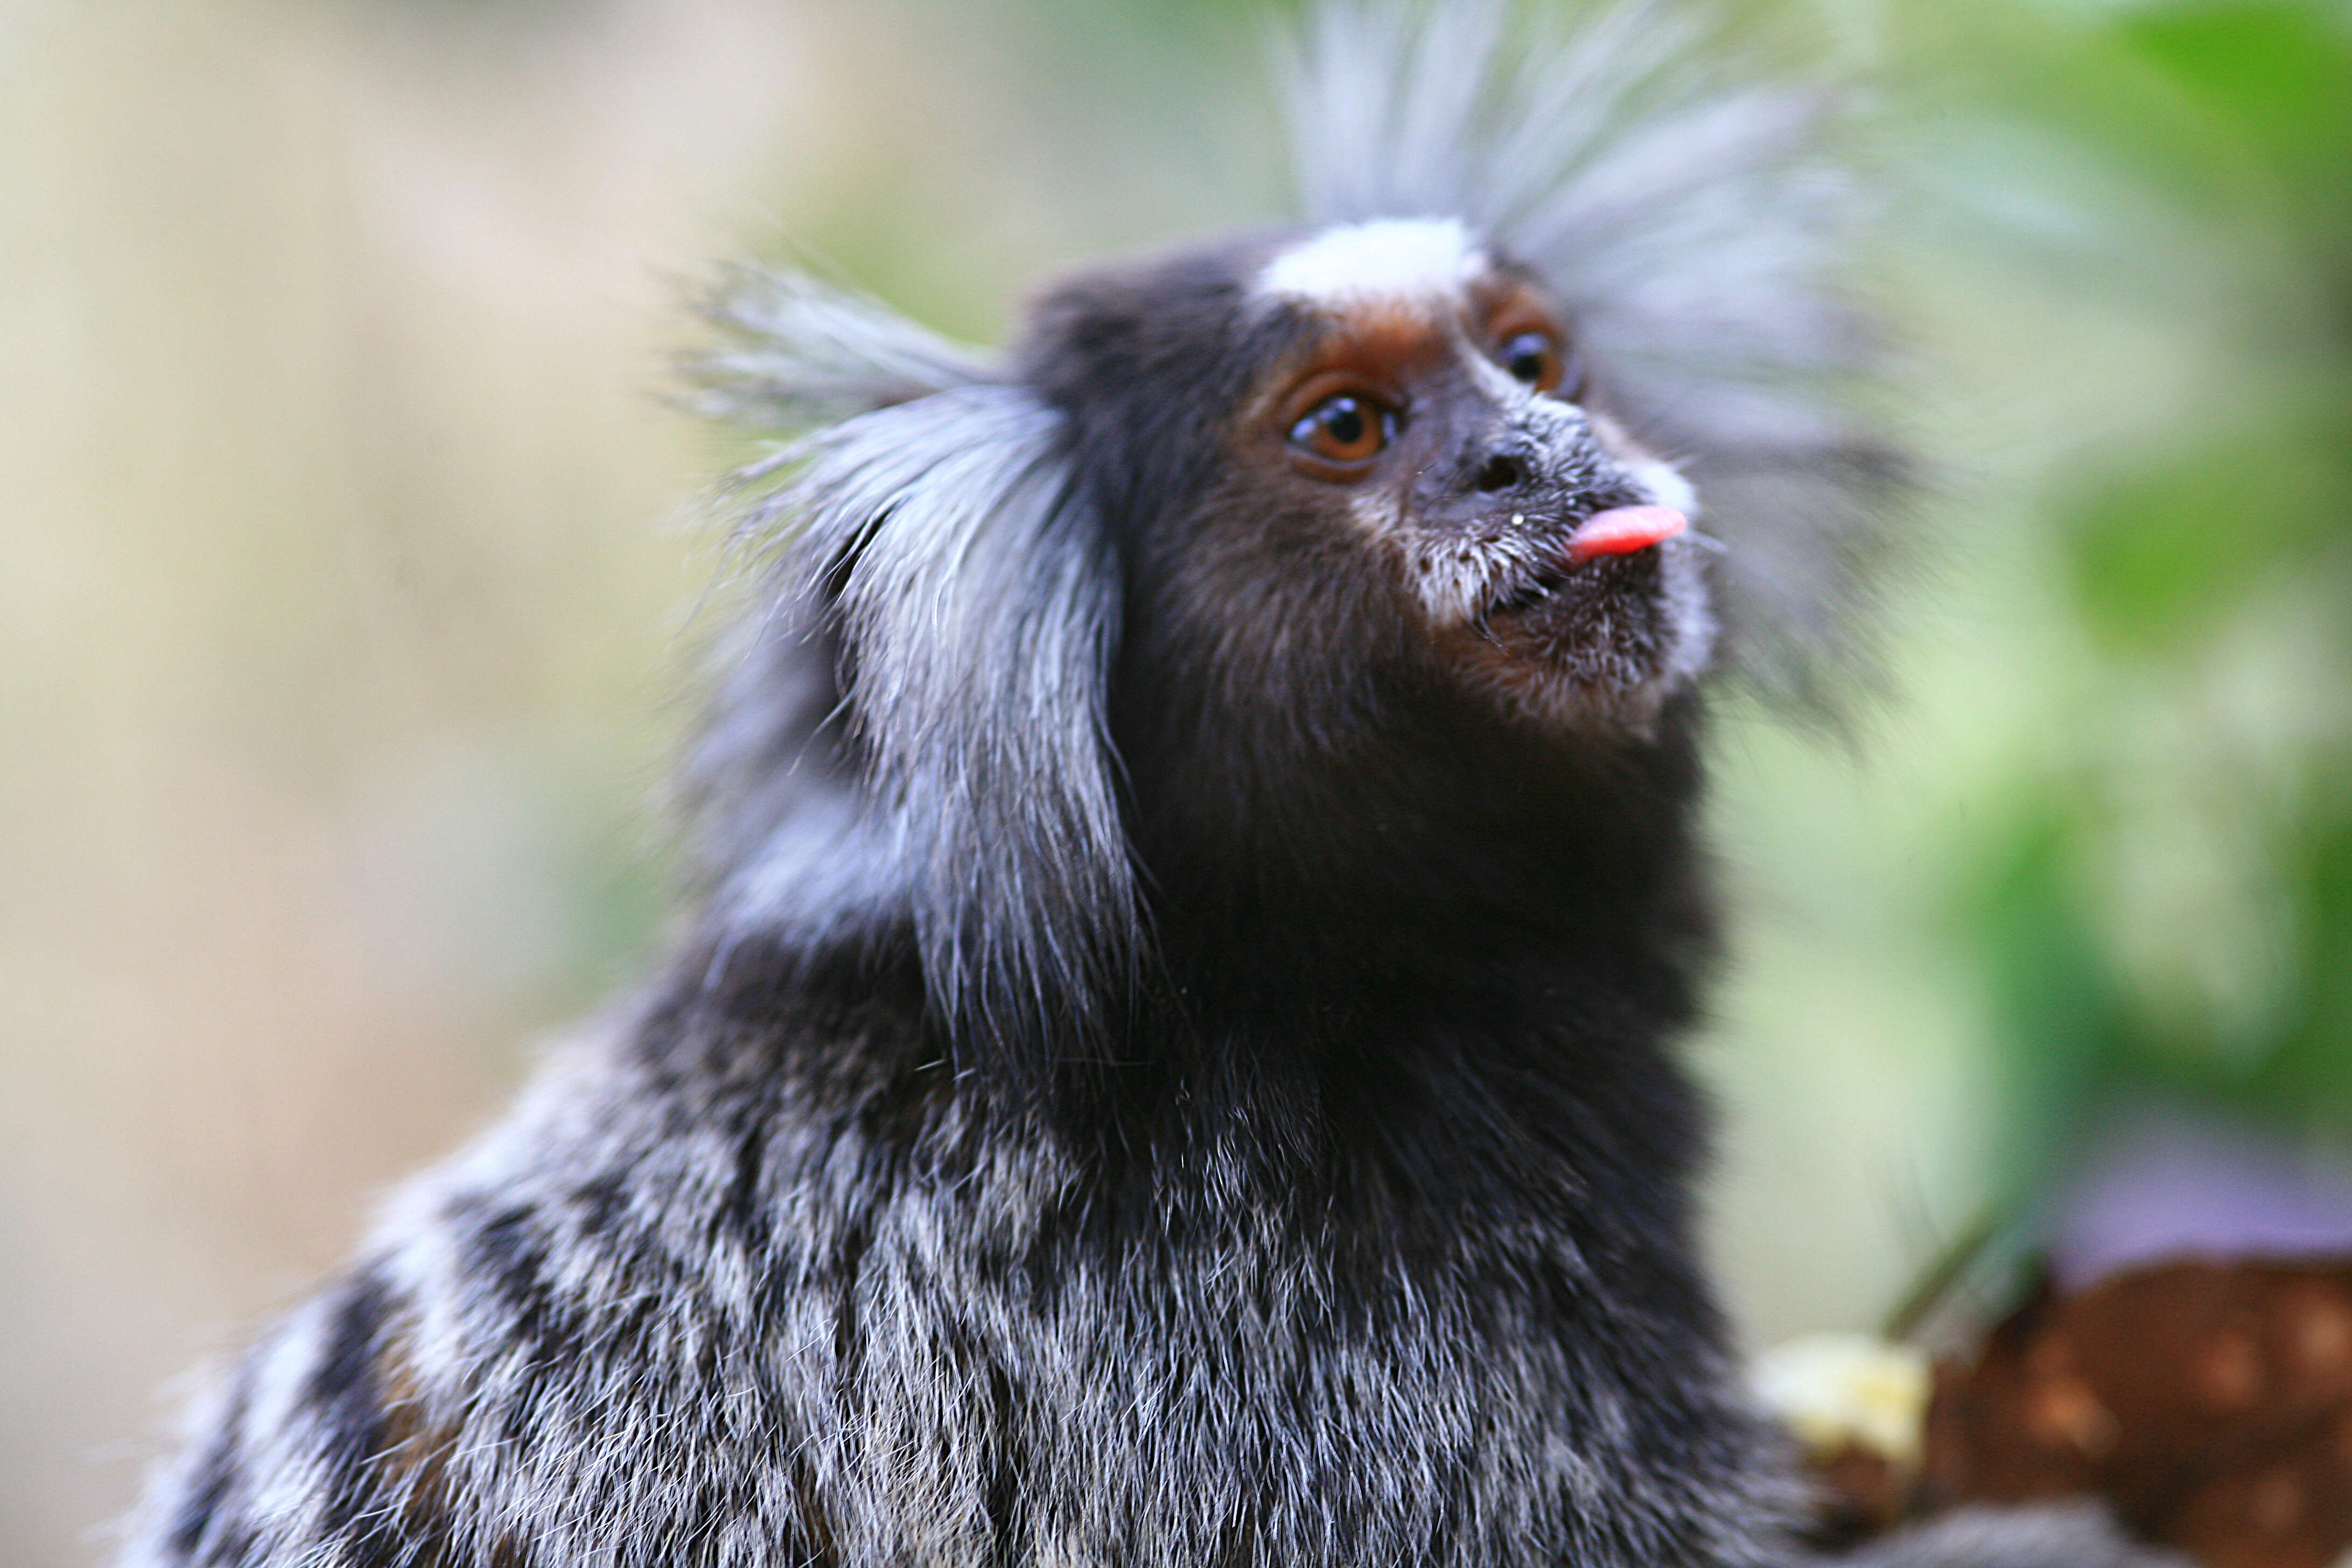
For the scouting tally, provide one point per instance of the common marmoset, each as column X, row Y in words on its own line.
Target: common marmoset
column 1172, row 1064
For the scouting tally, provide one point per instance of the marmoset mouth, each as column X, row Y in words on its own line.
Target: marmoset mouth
column 1601, row 621
column 1597, row 620
column 1615, row 534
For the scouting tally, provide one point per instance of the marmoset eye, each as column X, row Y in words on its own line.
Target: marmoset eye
column 1534, row 358
column 1345, row 428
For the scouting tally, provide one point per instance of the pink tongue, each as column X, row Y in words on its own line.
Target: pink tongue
column 1623, row 530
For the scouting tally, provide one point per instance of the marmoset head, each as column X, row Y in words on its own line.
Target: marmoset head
column 1373, row 450
column 1332, row 581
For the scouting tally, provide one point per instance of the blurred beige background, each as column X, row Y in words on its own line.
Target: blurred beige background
column 346, row 558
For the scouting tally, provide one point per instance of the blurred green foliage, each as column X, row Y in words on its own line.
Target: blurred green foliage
column 2208, row 560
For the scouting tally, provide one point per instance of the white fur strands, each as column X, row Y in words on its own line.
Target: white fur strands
column 800, row 352
column 937, row 549
column 1383, row 259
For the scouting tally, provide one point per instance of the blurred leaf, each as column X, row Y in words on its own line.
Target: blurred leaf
column 2309, row 1076
column 2057, row 1014
column 2160, row 554
column 2113, row 130
column 2280, row 73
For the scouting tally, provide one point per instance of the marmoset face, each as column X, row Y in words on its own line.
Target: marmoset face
column 1358, row 469
column 1435, row 411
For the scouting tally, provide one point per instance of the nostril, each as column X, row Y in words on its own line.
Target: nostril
column 1502, row 472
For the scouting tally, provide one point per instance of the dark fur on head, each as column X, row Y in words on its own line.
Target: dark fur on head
column 1173, row 1067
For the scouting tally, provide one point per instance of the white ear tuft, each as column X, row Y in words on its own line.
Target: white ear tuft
column 799, row 352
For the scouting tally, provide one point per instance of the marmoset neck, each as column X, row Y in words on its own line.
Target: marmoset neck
column 1466, row 950
column 1463, row 857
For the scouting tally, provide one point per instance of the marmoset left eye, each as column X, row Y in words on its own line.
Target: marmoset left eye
column 1345, row 428
column 1534, row 358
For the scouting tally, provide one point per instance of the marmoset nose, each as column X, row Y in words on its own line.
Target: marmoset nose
column 1502, row 470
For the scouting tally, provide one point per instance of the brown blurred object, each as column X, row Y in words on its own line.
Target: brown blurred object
column 2210, row 1404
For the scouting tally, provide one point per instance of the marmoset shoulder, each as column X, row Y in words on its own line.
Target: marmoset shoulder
column 1172, row 1060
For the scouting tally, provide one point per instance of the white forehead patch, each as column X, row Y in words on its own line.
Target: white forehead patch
column 1386, row 259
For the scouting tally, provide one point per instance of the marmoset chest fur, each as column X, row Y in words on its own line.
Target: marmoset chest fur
column 1172, row 1064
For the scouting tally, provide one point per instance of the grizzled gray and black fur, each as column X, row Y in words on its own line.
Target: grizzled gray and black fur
column 1173, row 1065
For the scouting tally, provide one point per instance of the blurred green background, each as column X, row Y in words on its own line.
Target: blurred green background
column 346, row 557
